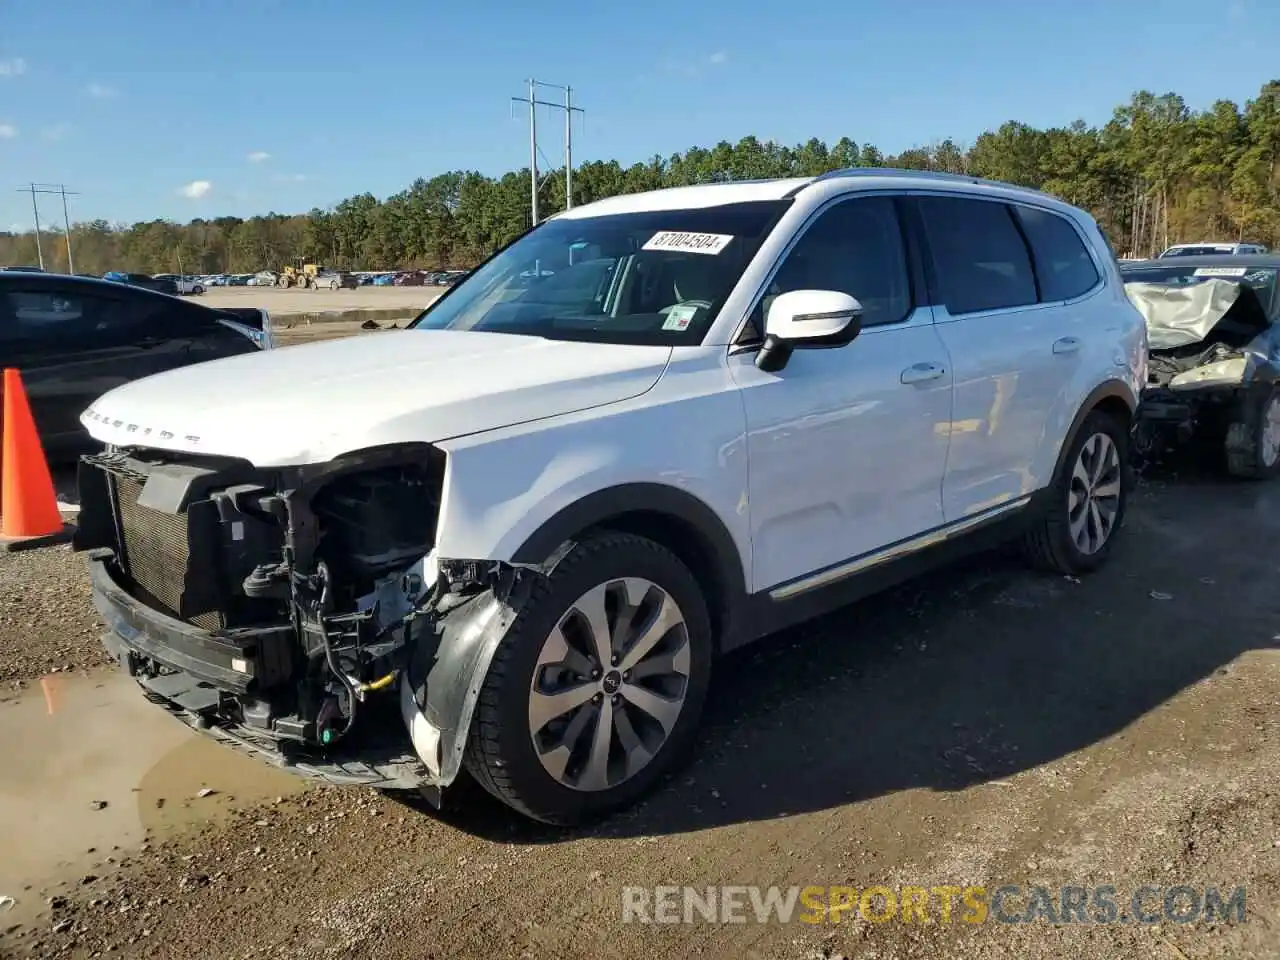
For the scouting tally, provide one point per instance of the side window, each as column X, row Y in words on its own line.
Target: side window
column 855, row 247
column 979, row 257
column 1063, row 265
column 40, row 316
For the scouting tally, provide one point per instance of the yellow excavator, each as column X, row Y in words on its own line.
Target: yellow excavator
column 299, row 274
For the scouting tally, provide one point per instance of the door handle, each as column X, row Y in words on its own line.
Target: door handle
column 1066, row 345
column 922, row 372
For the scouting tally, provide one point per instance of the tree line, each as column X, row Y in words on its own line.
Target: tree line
column 1156, row 173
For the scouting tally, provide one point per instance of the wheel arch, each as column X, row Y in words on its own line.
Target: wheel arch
column 678, row 520
column 1113, row 397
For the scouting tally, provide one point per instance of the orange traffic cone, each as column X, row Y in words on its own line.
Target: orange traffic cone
column 28, row 506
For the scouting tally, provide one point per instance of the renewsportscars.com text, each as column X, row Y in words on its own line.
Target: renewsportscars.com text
column 1007, row 903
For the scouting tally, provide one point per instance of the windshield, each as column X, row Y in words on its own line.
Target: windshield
column 1261, row 279
column 650, row 278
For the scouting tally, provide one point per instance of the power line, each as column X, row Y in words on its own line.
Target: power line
column 569, row 110
column 56, row 189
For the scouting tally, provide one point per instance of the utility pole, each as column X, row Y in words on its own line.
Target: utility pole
column 569, row 110
column 57, row 189
column 35, row 210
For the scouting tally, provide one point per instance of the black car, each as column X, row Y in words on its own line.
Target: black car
column 75, row 338
column 158, row 284
column 1213, row 373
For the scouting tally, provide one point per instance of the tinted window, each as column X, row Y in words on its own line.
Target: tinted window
column 979, row 257
column 856, row 248
column 1063, row 265
column 31, row 316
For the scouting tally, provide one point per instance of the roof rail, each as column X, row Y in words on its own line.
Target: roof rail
column 922, row 174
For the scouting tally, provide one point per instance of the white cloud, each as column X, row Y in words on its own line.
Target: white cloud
column 100, row 92
column 13, row 68
column 719, row 58
column 196, row 189
column 55, row 131
column 8, row 131
column 258, row 156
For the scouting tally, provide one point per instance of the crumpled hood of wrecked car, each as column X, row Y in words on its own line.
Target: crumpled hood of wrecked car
column 313, row 402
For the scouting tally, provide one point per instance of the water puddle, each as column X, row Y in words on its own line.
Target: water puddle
column 90, row 769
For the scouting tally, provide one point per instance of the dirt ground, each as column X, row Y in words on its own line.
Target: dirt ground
column 283, row 303
column 982, row 726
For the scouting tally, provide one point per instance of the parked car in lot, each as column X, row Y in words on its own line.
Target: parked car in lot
column 147, row 282
column 1212, row 248
column 1214, row 373
column 75, row 338
column 184, row 284
column 336, row 279
column 530, row 523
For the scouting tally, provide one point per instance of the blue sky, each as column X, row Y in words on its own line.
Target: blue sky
column 256, row 105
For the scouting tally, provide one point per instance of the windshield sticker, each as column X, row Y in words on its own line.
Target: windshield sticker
column 682, row 242
column 1221, row 271
column 680, row 316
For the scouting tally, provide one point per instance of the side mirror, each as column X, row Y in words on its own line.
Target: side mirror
column 807, row 319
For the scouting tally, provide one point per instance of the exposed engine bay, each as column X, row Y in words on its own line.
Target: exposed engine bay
column 1214, row 354
column 296, row 613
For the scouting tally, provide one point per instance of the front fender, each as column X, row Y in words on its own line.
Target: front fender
column 445, row 672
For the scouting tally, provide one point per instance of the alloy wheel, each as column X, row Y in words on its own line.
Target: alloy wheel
column 609, row 684
column 1269, row 448
column 1093, row 497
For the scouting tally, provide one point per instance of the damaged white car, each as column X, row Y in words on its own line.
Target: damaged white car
column 512, row 539
column 1212, row 324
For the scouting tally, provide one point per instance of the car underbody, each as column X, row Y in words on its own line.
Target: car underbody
column 298, row 614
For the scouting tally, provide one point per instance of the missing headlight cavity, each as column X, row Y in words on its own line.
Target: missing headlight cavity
column 374, row 522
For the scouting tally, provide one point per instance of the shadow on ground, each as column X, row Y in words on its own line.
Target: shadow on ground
column 974, row 673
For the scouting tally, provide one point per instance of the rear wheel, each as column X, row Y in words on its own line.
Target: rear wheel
column 1252, row 444
column 333, row 284
column 596, row 690
column 1088, row 500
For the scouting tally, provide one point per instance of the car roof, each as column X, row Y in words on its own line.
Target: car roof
column 745, row 191
column 1259, row 260
column 87, row 284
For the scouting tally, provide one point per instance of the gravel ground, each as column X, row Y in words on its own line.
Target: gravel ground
column 47, row 622
column 983, row 725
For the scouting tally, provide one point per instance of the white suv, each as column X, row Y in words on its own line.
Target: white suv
column 515, row 537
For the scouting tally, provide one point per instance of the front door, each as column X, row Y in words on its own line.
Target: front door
column 847, row 446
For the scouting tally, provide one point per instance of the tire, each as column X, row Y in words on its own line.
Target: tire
column 1252, row 444
column 333, row 284
column 501, row 753
column 198, row 290
column 1055, row 542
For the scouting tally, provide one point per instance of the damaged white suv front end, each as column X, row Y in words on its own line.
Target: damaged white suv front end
column 273, row 573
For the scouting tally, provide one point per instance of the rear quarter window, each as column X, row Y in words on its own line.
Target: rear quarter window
column 1062, row 261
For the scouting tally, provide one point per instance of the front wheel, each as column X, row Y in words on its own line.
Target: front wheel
column 1253, row 439
column 333, row 284
column 1087, row 500
column 596, row 690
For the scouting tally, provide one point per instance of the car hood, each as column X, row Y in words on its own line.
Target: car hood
column 312, row 402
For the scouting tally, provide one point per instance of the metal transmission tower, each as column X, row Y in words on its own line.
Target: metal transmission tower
column 569, row 110
column 56, row 189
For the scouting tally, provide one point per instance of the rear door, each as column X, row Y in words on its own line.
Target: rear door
column 1016, row 341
